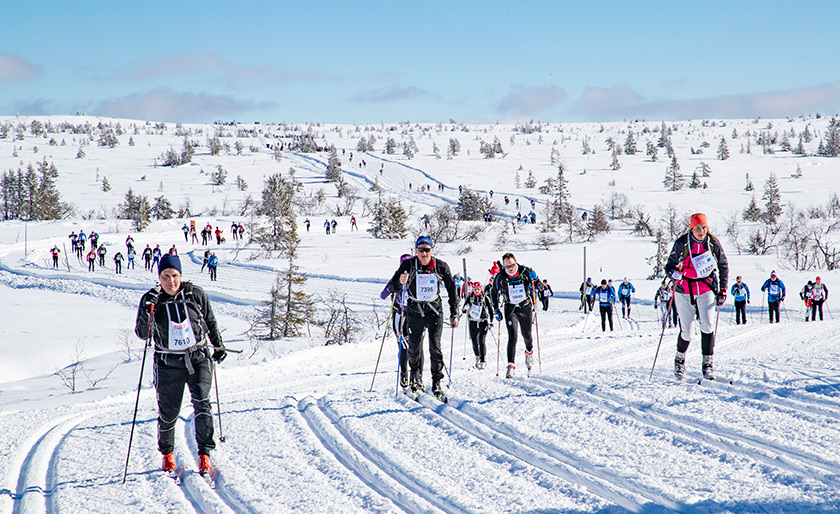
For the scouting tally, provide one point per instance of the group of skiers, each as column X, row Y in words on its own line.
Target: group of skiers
column 813, row 294
column 606, row 296
column 236, row 229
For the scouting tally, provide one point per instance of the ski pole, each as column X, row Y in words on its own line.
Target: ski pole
column 787, row 316
column 537, row 327
column 139, row 384
column 384, row 333
column 451, row 350
column 498, row 347
column 661, row 335
column 218, row 404
column 618, row 317
column 585, row 319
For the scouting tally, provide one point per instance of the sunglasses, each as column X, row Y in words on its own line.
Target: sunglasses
column 424, row 249
column 510, row 266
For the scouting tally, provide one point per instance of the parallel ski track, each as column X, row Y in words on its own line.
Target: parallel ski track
column 706, row 433
column 36, row 480
column 386, row 478
column 548, row 458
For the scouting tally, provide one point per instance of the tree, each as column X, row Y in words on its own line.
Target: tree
column 454, row 147
column 749, row 186
column 288, row 308
column 704, row 169
column 218, row 176
column 660, row 258
column 390, row 146
column 281, row 232
column 47, row 203
column 831, row 147
column 772, row 197
column 388, row 220
column 334, row 166
column 615, row 165
column 472, row 206
column 752, row 211
column 597, row 223
column 530, row 182
column 630, row 144
column 162, row 209
column 106, row 186
column 135, row 208
column 674, row 180
column 651, row 150
column 723, row 150
column 695, row 183
column 342, row 324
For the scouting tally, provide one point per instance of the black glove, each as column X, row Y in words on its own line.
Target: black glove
column 151, row 297
column 748, row 300
column 219, row 354
column 721, row 297
column 498, row 315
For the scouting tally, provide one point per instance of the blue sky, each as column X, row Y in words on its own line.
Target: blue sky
column 370, row 61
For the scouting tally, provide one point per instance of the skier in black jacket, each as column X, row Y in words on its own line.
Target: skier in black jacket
column 422, row 275
column 186, row 336
column 479, row 312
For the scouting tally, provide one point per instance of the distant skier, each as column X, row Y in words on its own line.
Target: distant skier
column 662, row 301
column 184, row 328
column 479, row 312
column 692, row 263
column 515, row 287
column 101, row 251
column 118, row 258
column 212, row 265
column 306, row 223
column 91, row 258
column 741, row 294
column 147, row 257
column 131, row 254
column 586, row 300
column 173, row 250
column 156, row 256
column 805, row 295
column 129, row 242
column 186, row 230
column 334, row 226
column 55, row 251
column 606, row 298
column 327, row 226
column 775, row 294
column 206, row 259
column 219, row 237
column 545, row 293
column 625, row 290
column 819, row 294
column 353, row 225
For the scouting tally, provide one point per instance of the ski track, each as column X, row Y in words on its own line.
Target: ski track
column 386, row 479
column 36, row 480
column 705, row 433
column 519, row 446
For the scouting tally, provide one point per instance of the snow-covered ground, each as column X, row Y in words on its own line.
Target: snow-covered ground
column 312, row 428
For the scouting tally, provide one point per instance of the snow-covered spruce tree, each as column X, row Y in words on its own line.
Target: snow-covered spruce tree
column 472, row 206
column 280, row 234
column 108, row 138
column 454, row 147
column 388, row 220
column 106, row 186
column 704, row 169
column 695, row 183
column 47, row 201
column 773, row 199
column 597, row 223
column 752, row 212
column 215, row 145
column 135, row 208
column 407, row 151
column 530, row 181
column 218, row 176
column 615, row 165
column 80, row 154
column 162, row 209
column 288, row 308
column 831, row 147
column 630, row 144
column 333, row 172
column 723, row 150
column 390, row 146
column 674, row 180
column 361, row 146
column 658, row 260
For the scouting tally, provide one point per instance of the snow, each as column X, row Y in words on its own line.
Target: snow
column 320, row 428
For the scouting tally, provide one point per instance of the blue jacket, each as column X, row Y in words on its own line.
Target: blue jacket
column 771, row 296
column 610, row 292
column 213, row 261
column 624, row 290
column 740, row 293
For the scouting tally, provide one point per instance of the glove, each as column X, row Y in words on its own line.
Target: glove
column 721, row 297
column 453, row 321
column 782, row 298
column 498, row 315
column 748, row 300
column 219, row 354
column 151, row 297
column 676, row 275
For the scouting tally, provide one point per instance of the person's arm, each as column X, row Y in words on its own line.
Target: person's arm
column 722, row 263
column 213, row 332
column 394, row 285
column 451, row 289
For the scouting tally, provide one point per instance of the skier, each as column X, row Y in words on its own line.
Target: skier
column 193, row 235
column 241, row 231
column 741, row 294
column 775, row 294
column 73, row 238
column 479, row 313
column 93, row 237
column 586, row 301
column 55, row 251
column 82, row 239
column 353, row 224
column 805, row 295
column 334, row 226
column 306, row 223
column 545, row 293
column 624, row 292
column 156, row 255
column 692, row 264
column 218, row 236
column 205, row 235
column 507, row 200
column 327, row 226
column 518, row 286
column 422, row 275
column 173, row 250
column 425, row 220
column 91, row 258
column 101, row 251
column 207, row 253
column 819, row 294
column 397, row 326
column 118, row 258
column 234, row 230
column 183, row 324
column 131, row 253
column 661, row 301
column 212, row 264
column 516, row 202
column 186, row 230
column 606, row 298
column 491, row 194
column 129, row 242
column 147, row 257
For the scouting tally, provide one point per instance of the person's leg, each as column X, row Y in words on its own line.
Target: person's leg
column 512, row 323
column 414, row 328
column 434, row 324
column 199, row 384
column 169, row 387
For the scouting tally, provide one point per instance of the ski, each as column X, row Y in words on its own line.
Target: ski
column 175, row 474
column 210, row 477
column 441, row 396
column 414, row 395
column 716, row 380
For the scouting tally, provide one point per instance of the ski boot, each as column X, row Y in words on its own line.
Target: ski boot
column 437, row 390
column 169, row 464
column 204, row 466
column 510, row 369
column 483, row 365
column 708, row 370
column 403, row 382
column 477, row 362
column 679, row 365
column 529, row 360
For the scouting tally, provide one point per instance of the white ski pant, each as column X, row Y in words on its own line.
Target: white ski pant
column 706, row 307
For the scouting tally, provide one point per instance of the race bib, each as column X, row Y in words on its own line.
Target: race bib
column 426, row 287
column 774, row 289
column 181, row 335
column 604, row 297
column 703, row 264
column 516, row 293
column 475, row 312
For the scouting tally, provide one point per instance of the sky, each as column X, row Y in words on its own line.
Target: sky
column 434, row 61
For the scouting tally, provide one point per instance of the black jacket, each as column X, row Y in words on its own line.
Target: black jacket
column 441, row 269
column 168, row 307
column 526, row 276
column 679, row 258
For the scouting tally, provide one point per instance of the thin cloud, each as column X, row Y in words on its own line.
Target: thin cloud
column 34, row 107
column 209, row 64
column 390, row 94
column 622, row 102
column 167, row 105
column 528, row 101
column 14, row 69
